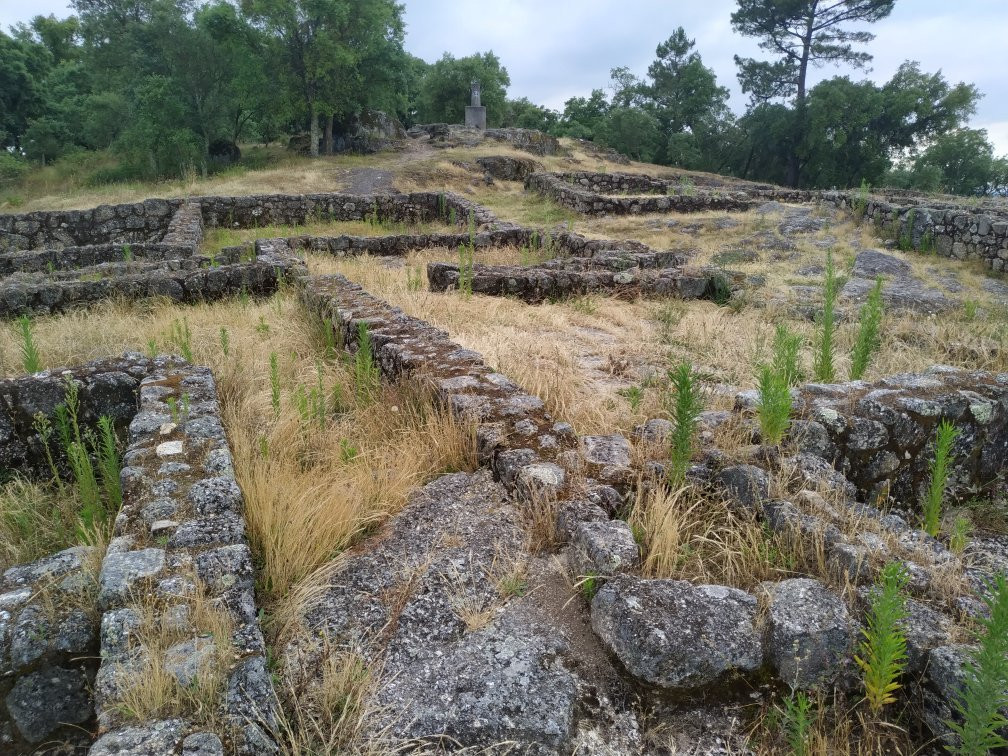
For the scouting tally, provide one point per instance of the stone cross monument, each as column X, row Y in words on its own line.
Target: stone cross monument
column 475, row 114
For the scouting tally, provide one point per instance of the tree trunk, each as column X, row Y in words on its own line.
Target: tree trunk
column 328, row 134
column 313, row 130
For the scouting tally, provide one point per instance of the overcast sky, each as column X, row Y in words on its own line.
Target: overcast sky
column 556, row 49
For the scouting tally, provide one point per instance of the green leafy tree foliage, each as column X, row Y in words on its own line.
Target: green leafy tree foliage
column 583, row 115
column 799, row 33
column 338, row 56
column 632, row 131
column 524, row 114
column 685, row 97
column 445, row 89
column 962, row 161
column 24, row 65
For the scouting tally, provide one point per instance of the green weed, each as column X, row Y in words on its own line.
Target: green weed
column 882, row 654
column 684, row 405
column 868, row 339
column 934, row 498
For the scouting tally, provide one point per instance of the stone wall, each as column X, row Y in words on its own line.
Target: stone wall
column 67, row 629
column 952, row 231
column 106, row 387
column 591, row 203
column 145, row 221
column 283, row 209
column 179, row 540
column 537, row 284
column 881, row 435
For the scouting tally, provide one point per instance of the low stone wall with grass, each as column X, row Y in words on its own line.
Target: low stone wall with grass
column 186, row 227
column 106, row 387
column 955, row 231
column 881, row 435
column 537, row 284
column 588, row 202
column 516, row 436
column 146, row 221
column 183, row 657
column 288, row 210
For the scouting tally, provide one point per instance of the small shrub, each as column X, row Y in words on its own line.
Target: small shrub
column 796, row 719
column 882, row 654
column 787, row 346
column 465, row 278
column 985, row 694
column 225, row 341
column 181, row 337
column 414, row 278
column 861, row 200
column 934, row 498
column 31, row 360
column 822, row 363
column 108, row 462
column 868, row 339
column 684, row 407
column 970, row 309
column 774, row 405
column 961, row 529
column 634, row 395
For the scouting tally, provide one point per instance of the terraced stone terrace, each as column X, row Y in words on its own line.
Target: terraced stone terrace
column 347, row 473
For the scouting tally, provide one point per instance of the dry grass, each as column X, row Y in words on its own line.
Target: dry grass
column 154, row 691
column 317, row 487
column 36, row 519
column 688, row 536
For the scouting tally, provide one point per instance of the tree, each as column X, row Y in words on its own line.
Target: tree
column 332, row 51
column 583, row 115
column 525, row 114
column 686, row 99
column 632, row 131
column 445, row 89
column 963, row 160
column 799, row 33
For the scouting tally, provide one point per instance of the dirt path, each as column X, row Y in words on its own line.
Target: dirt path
column 367, row 180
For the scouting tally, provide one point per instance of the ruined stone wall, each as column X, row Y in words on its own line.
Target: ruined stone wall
column 179, row 539
column 952, row 231
column 145, row 221
column 283, row 209
column 587, row 202
column 537, row 284
column 881, row 435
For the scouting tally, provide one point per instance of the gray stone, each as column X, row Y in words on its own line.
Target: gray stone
column 612, row 450
column 53, row 566
column 604, row 548
column 214, row 496
column 505, row 682
column 122, row 572
column 186, row 660
column 675, row 634
column 150, row 739
column 541, row 479
column 746, row 486
column 202, row 744
column 810, row 635
column 870, row 263
column 41, row 702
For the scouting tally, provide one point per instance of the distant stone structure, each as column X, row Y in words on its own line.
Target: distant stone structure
column 475, row 114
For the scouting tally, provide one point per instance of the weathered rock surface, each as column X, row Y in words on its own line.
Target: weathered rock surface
column 678, row 635
column 810, row 635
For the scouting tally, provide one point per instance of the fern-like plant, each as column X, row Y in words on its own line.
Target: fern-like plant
column 882, row 654
column 31, row 360
column 774, row 405
column 822, row 364
column 869, row 338
column 786, row 348
column 684, row 405
column 985, row 695
column 275, row 383
column 935, row 496
column 365, row 371
column 796, row 717
column 108, row 461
